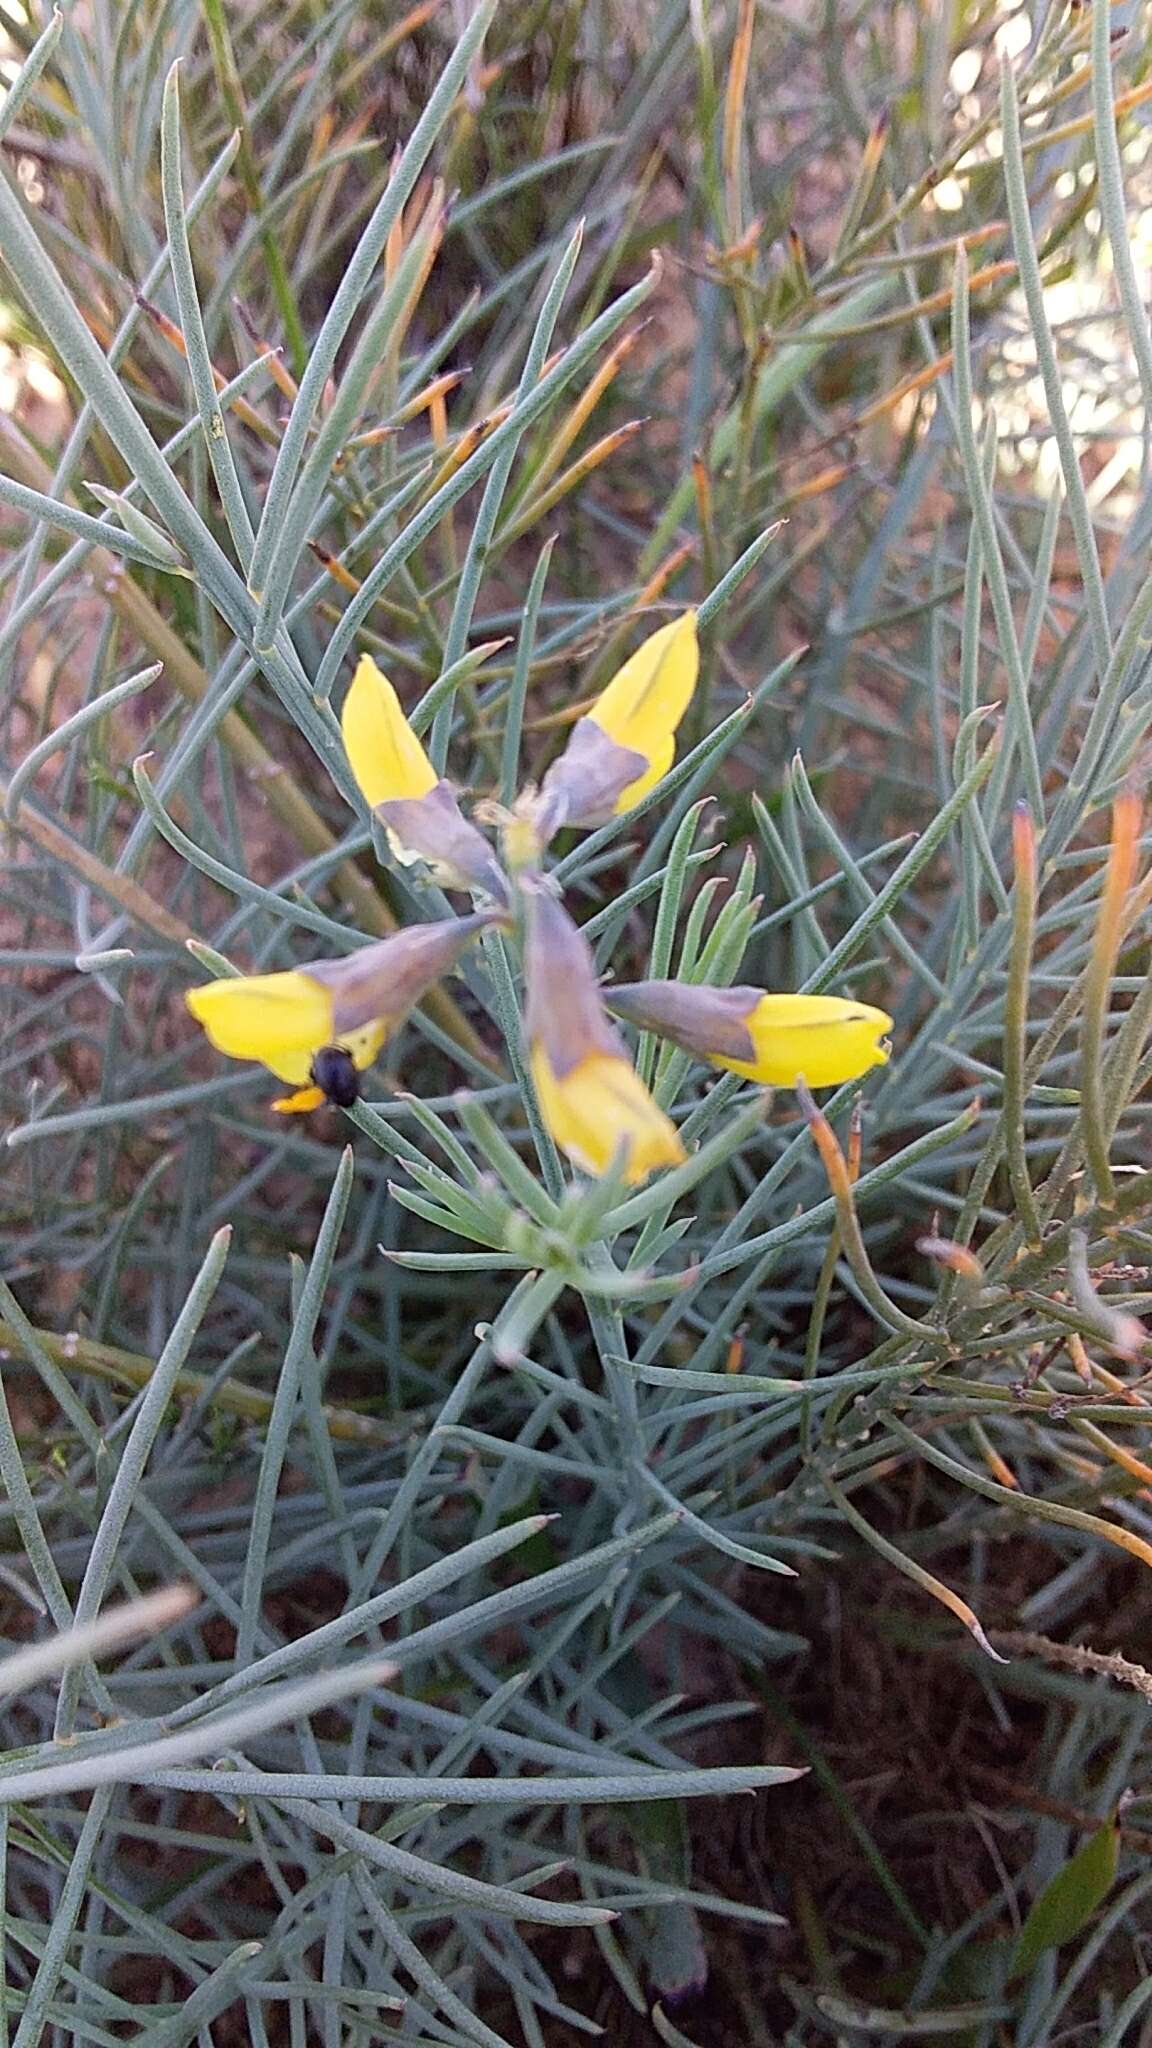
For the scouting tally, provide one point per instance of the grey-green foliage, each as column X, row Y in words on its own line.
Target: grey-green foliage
column 466, row 1517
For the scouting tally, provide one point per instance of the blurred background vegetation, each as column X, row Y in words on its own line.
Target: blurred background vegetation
column 933, row 470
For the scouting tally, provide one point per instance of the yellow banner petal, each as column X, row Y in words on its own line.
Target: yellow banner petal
column 384, row 754
column 646, row 699
column 279, row 1019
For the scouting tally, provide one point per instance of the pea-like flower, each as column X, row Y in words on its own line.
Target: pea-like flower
column 418, row 809
column 774, row 1039
column 626, row 743
column 591, row 1098
column 318, row 1027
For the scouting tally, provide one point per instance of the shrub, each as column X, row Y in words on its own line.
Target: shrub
column 503, row 1502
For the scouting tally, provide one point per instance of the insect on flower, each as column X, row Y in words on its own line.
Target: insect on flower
column 333, row 1071
column 319, row 1027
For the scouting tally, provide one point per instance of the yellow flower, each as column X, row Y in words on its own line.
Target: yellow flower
column 642, row 706
column 286, row 1020
column 282, row 1020
column 601, row 1107
column 590, row 1095
column 776, row 1040
column 384, row 753
column 626, row 743
column 419, row 811
column 824, row 1039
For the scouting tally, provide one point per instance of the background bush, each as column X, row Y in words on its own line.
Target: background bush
column 910, row 491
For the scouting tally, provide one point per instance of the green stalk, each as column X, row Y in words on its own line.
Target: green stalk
column 1016, row 1021
column 232, row 93
column 1098, row 990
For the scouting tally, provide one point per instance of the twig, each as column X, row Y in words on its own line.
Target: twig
column 1076, row 1657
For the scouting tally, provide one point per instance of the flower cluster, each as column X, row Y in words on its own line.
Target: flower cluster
column 319, row 1027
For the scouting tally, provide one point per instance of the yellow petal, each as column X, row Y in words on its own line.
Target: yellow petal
column 384, row 753
column 659, row 762
column 278, row 1018
column 822, row 1039
column 646, row 699
column 295, row 1067
column 299, row 1103
column 601, row 1105
column 365, row 1043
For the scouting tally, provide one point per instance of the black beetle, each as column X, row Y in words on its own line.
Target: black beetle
column 333, row 1071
